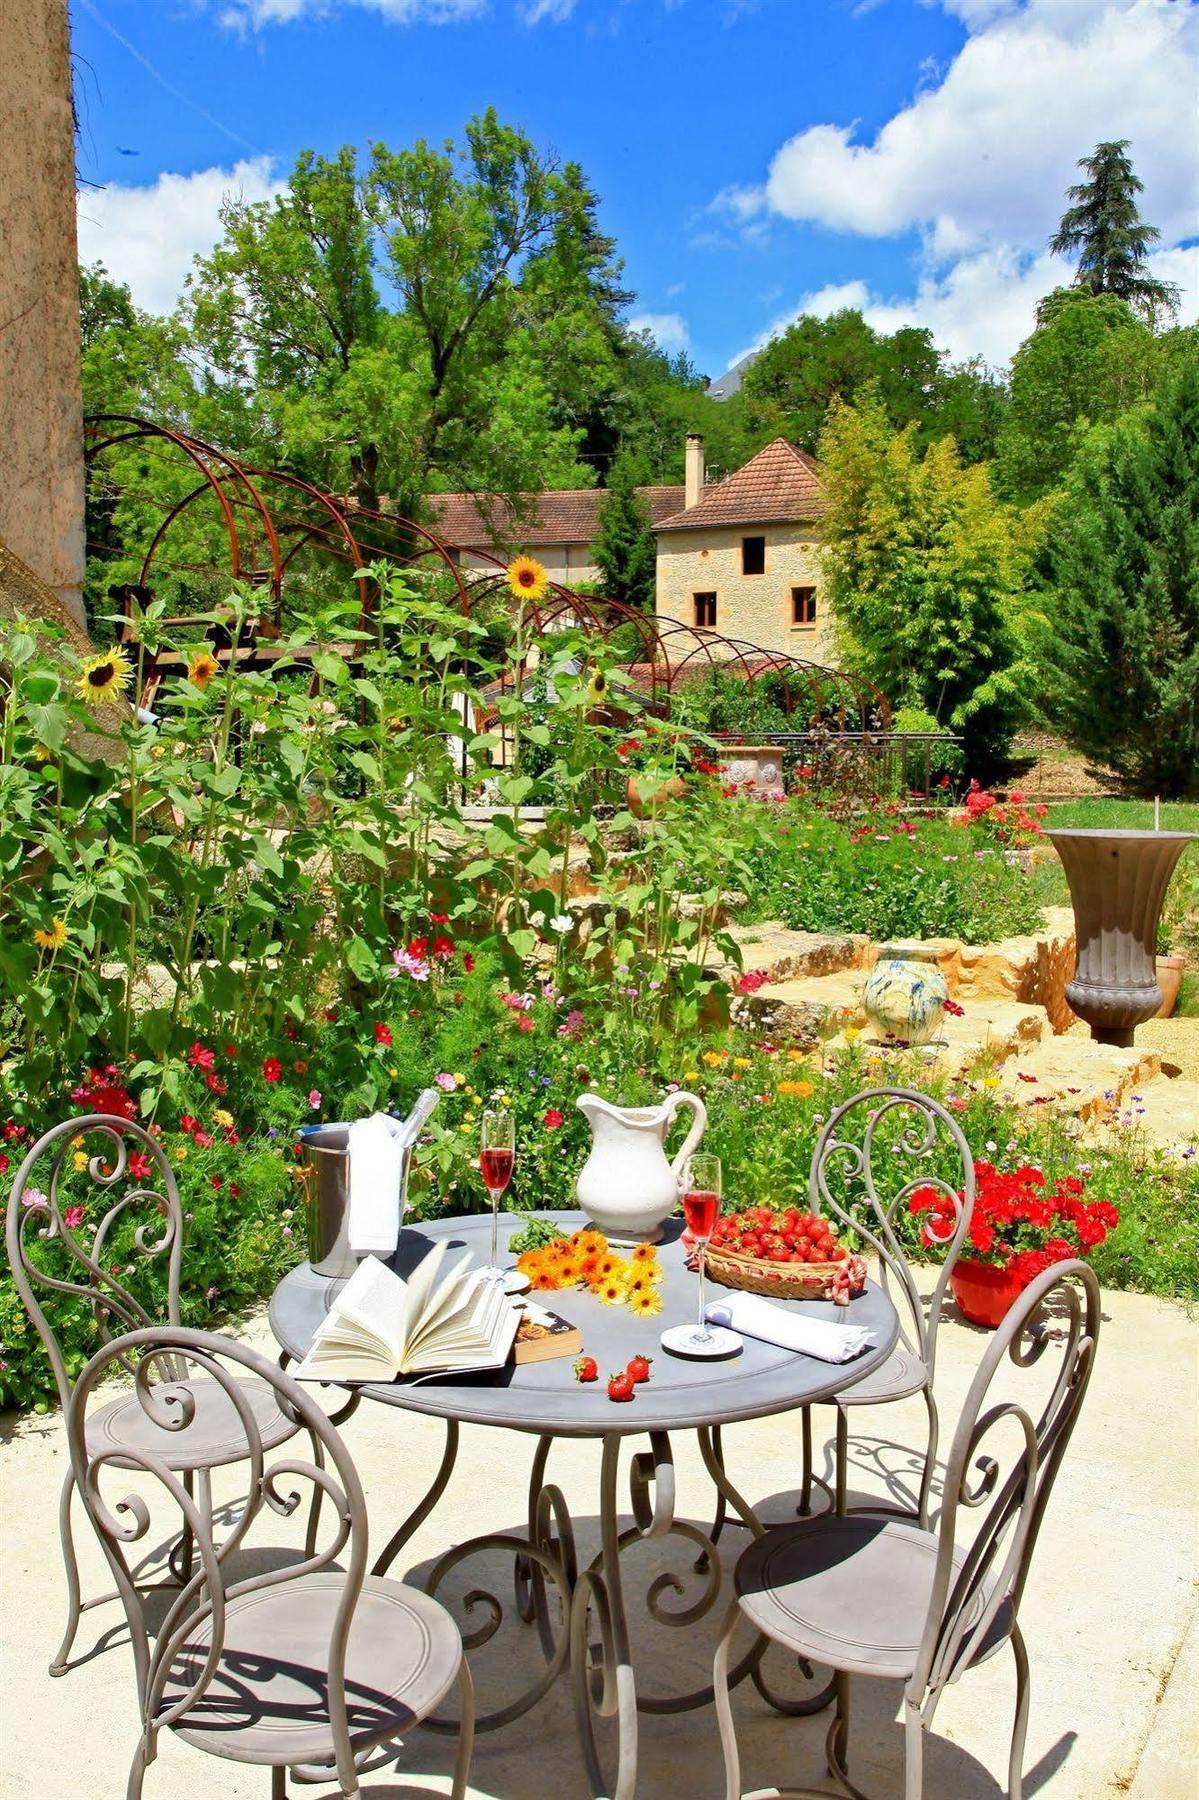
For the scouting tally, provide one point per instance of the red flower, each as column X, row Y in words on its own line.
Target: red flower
column 216, row 1181
column 953, row 1009
column 439, row 918
column 553, row 1119
column 234, row 1191
column 383, row 1035
column 202, row 1140
column 331, row 1015
column 74, row 1216
column 289, row 1031
column 300, row 1066
column 139, row 1165
column 201, row 1058
column 443, row 946
column 230, row 1049
column 187, row 1123
column 418, row 948
column 468, row 962
column 272, row 1068
column 524, row 1022
column 215, row 1083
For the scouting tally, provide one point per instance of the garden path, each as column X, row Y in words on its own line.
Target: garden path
column 1107, row 1610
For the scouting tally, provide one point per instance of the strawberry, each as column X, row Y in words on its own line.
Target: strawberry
column 586, row 1368
column 620, row 1386
column 638, row 1369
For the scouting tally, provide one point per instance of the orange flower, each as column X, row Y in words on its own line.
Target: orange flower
column 201, row 668
column 645, row 1253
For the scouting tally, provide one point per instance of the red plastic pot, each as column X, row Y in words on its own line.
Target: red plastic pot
column 983, row 1292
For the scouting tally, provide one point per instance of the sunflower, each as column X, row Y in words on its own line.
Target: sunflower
column 645, row 1303
column 52, row 936
column 527, row 578
column 103, row 677
column 597, row 688
column 201, row 668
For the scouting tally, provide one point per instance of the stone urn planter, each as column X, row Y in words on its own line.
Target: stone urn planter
column 905, row 992
column 756, row 766
column 1118, row 881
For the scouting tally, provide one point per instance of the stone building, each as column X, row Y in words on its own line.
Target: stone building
column 743, row 556
column 41, row 410
column 558, row 527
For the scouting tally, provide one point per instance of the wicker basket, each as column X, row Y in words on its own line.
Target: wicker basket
column 783, row 1281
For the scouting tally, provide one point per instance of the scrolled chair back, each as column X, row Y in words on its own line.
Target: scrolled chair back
column 863, row 1174
column 1005, row 1456
column 184, row 1652
column 39, row 1212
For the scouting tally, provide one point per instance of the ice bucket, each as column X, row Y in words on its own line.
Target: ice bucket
column 325, row 1179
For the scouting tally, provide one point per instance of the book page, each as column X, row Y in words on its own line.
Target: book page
column 364, row 1324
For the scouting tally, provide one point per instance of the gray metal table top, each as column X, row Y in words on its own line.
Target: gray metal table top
column 545, row 1397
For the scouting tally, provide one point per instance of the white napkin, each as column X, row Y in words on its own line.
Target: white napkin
column 376, row 1157
column 755, row 1317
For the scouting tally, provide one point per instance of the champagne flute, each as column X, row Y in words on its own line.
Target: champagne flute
column 702, row 1190
column 497, row 1154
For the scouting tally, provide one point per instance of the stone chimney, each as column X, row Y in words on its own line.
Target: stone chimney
column 693, row 476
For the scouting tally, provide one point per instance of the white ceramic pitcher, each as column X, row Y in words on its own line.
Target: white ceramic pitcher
column 626, row 1187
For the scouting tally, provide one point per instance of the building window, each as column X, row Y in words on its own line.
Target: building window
column 705, row 610
column 753, row 556
column 803, row 606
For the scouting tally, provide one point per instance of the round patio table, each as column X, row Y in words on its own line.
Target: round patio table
column 544, row 1399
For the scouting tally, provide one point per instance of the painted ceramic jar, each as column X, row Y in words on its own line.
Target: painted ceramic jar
column 906, row 992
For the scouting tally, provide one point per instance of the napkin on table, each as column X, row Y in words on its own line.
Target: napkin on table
column 376, row 1158
column 755, row 1317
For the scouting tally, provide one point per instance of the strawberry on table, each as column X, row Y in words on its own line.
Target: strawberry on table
column 620, row 1386
column 638, row 1369
column 586, row 1368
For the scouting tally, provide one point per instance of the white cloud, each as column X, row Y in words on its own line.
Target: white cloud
column 985, row 154
column 982, row 305
column 978, row 163
column 147, row 236
column 557, row 10
column 668, row 330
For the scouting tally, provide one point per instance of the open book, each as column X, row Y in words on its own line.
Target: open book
column 380, row 1326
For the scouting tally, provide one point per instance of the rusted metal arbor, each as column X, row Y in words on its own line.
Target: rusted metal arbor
column 274, row 531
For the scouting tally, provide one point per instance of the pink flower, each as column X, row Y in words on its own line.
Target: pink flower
column 445, row 1082
column 407, row 963
column 572, row 1025
column 74, row 1216
column 33, row 1197
column 314, row 1098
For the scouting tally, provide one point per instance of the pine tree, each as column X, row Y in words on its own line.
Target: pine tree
column 1122, row 637
column 1111, row 239
column 625, row 548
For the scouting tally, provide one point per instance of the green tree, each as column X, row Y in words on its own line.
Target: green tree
column 1121, row 639
column 1089, row 359
column 1106, row 232
column 625, row 548
column 925, row 572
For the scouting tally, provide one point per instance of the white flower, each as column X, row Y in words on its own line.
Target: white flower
column 562, row 923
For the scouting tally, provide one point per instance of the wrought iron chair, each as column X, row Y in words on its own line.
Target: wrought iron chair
column 875, row 1595
column 845, row 1183
column 302, row 1665
column 85, row 1271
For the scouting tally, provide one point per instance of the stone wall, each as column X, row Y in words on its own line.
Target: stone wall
column 41, row 448
column 565, row 563
column 755, row 607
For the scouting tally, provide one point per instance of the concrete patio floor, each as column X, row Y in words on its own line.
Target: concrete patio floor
column 1108, row 1612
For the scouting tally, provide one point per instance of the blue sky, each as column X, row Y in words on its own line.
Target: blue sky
column 754, row 157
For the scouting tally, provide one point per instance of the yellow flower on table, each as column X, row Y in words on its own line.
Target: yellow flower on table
column 103, row 677
column 645, row 1253
column 645, row 1303
column 612, row 1290
column 52, row 936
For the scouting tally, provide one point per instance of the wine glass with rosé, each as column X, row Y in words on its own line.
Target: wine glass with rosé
column 497, row 1156
column 702, row 1190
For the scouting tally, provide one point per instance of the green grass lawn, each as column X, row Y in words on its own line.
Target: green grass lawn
column 1123, row 815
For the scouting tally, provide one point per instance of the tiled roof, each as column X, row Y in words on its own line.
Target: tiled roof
column 562, row 516
column 779, row 483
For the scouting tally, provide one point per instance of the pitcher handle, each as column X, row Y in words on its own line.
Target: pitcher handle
column 698, row 1126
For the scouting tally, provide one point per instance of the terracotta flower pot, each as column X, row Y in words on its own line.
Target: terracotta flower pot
column 983, row 1292
column 644, row 800
column 1170, row 971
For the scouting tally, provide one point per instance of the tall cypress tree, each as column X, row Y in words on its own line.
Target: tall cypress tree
column 1106, row 231
column 625, row 548
column 1122, row 650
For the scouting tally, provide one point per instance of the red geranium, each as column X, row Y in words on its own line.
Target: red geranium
column 1019, row 1223
column 272, row 1068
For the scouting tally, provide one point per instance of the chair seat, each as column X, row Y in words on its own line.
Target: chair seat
column 902, row 1374
column 852, row 1593
column 268, row 1700
column 214, row 1436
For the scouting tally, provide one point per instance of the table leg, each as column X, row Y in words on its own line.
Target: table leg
column 421, row 1511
